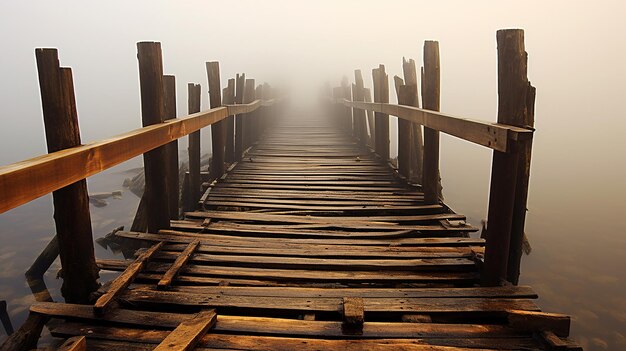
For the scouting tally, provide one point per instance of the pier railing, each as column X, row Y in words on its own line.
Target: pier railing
column 510, row 139
column 237, row 119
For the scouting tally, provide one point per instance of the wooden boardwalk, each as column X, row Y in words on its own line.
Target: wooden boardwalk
column 311, row 242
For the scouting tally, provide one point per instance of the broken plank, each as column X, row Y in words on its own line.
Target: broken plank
column 188, row 333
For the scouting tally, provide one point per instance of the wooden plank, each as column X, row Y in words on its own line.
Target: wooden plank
column 188, row 333
column 27, row 180
column 270, row 343
column 123, row 280
column 274, row 326
column 77, row 343
column 180, row 261
column 223, row 240
column 149, row 297
column 305, row 275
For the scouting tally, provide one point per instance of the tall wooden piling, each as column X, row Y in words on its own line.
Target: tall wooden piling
column 367, row 96
column 193, row 105
column 359, row 116
column 240, row 82
column 248, row 97
column 71, row 203
column 218, row 133
column 229, row 150
column 416, row 157
column 407, row 95
column 152, row 112
column 381, row 120
column 509, row 178
column 173, row 184
column 430, row 101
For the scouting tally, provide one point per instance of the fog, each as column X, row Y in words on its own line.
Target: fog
column 576, row 49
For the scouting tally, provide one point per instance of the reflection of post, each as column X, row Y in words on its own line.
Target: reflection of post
column 45, row 259
column 27, row 336
column 4, row 317
column 39, row 289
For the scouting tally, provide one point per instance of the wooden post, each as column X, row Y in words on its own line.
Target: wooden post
column 218, row 133
column 173, row 186
column 406, row 96
column 230, row 123
column 248, row 97
column 367, row 95
column 416, row 137
column 509, row 178
column 71, row 203
column 381, row 94
column 195, row 182
column 153, row 112
column 358, row 94
column 430, row 101
column 240, row 83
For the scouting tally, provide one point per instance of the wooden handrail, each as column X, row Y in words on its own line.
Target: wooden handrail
column 495, row 136
column 27, row 180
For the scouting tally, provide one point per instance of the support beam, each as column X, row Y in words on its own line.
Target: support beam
column 173, row 186
column 195, row 182
column 417, row 139
column 248, row 97
column 240, row 83
column 360, row 120
column 406, row 96
column 218, row 132
column 430, row 101
column 153, row 112
column 229, row 98
column 71, row 203
column 505, row 199
column 381, row 94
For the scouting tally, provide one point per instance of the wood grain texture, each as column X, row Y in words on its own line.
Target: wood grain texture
column 188, row 333
column 173, row 186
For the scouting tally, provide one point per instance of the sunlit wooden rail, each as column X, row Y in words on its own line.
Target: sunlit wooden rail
column 303, row 233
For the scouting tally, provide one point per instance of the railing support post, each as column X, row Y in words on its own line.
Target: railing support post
column 152, row 112
column 510, row 170
column 430, row 101
column 358, row 94
column 416, row 154
column 71, row 203
column 218, row 133
column 407, row 95
column 367, row 96
column 240, row 83
column 381, row 94
column 195, row 183
column 248, row 118
column 173, row 183
column 230, row 123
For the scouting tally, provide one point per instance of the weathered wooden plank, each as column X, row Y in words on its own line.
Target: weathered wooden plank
column 223, row 240
column 533, row 321
column 181, row 260
column 58, row 169
column 122, row 281
column 188, row 333
column 353, row 311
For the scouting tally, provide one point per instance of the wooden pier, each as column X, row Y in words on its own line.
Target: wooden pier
column 309, row 238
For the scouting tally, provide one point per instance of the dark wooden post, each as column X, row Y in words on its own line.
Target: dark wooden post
column 248, row 97
column 230, row 122
column 153, row 112
column 381, row 94
column 358, row 94
column 240, row 82
column 193, row 105
column 173, row 184
column 406, row 96
column 218, row 133
column 430, row 101
column 367, row 96
column 509, row 170
column 71, row 203
column 417, row 147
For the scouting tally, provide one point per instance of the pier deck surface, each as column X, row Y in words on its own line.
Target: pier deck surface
column 309, row 243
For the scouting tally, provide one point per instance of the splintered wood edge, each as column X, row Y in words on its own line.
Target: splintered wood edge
column 76, row 343
column 353, row 311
